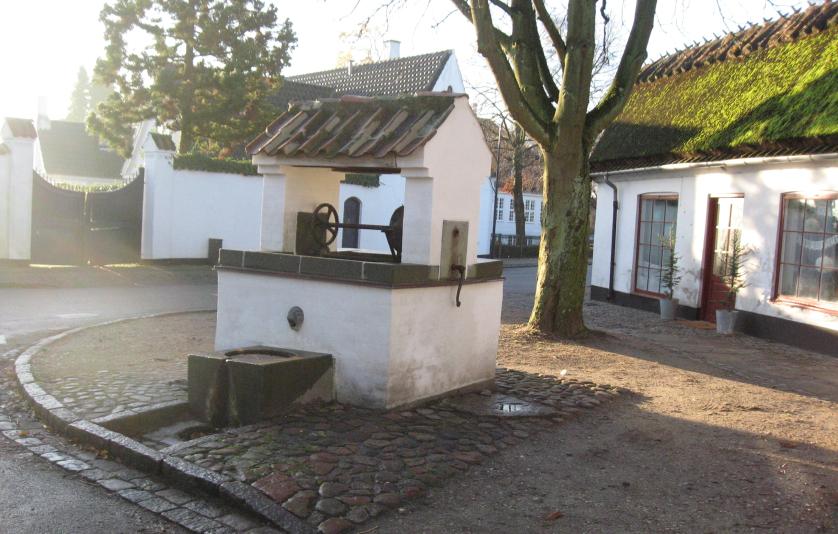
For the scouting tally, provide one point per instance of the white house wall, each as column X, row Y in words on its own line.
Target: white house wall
column 505, row 226
column 450, row 77
column 377, row 206
column 762, row 186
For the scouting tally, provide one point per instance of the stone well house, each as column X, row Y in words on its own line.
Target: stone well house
column 736, row 136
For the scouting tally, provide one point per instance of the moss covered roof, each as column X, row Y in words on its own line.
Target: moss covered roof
column 780, row 97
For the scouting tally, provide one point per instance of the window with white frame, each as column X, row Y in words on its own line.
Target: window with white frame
column 656, row 221
column 499, row 214
column 511, row 210
column 529, row 210
column 808, row 251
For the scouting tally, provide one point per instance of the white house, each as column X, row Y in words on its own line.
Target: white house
column 700, row 152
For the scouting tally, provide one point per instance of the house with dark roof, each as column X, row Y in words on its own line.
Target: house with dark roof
column 65, row 152
column 734, row 139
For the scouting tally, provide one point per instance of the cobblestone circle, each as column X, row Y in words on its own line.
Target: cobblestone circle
column 338, row 466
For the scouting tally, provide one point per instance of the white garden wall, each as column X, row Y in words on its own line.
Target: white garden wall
column 183, row 209
column 761, row 182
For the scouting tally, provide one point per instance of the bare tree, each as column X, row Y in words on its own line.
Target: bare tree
column 553, row 111
column 516, row 153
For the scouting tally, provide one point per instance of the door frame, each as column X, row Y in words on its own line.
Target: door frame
column 709, row 246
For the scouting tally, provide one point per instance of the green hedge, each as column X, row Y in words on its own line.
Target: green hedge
column 200, row 162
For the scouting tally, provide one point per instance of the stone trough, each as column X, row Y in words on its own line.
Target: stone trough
column 243, row 386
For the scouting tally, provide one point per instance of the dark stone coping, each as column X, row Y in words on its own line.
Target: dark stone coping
column 383, row 274
column 800, row 335
column 135, row 454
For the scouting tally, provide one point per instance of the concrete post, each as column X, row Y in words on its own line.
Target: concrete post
column 158, row 202
column 16, row 180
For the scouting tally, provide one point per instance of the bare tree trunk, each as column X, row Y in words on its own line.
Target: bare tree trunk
column 562, row 269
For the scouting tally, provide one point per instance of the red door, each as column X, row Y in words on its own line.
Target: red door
column 724, row 218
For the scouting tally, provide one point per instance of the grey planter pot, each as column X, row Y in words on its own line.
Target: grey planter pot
column 668, row 309
column 726, row 321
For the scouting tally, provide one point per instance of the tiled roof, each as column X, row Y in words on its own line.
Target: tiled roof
column 400, row 76
column 69, row 150
column 354, row 127
column 21, row 127
column 740, row 44
column 768, row 90
column 163, row 141
column 292, row 91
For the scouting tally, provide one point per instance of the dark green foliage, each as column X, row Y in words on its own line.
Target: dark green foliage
column 783, row 93
column 364, row 180
column 200, row 162
column 671, row 274
column 202, row 67
column 80, row 99
column 86, row 96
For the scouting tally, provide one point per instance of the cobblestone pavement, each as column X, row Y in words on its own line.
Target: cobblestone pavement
column 137, row 364
column 192, row 511
column 338, row 466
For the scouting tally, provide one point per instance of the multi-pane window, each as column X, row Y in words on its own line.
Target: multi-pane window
column 809, row 249
column 511, row 210
column 499, row 214
column 656, row 224
column 529, row 210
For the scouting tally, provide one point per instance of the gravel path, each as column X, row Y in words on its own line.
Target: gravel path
column 721, row 434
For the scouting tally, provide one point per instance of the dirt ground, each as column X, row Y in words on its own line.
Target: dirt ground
column 715, row 434
column 718, row 435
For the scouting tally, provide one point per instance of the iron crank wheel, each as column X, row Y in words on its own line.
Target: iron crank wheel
column 325, row 218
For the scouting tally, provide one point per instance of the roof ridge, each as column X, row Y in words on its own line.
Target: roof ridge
column 788, row 28
column 295, row 77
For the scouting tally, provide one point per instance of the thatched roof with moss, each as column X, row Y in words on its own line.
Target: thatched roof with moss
column 765, row 90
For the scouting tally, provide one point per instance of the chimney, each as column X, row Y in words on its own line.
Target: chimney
column 42, row 121
column 393, row 48
column 349, row 67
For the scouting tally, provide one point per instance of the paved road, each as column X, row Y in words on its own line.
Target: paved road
column 36, row 497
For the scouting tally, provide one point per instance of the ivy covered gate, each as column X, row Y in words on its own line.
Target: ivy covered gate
column 86, row 228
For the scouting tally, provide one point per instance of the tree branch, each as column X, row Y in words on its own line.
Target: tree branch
column 614, row 100
column 552, row 30
column 525, row 51
column 488, row 46
column 502, row 6
column 547, row 76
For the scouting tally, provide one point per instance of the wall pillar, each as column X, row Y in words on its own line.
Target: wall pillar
column 287, row 191
column 158, row 203
column 16, row 180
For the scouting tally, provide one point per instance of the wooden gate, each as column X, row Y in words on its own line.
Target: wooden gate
column 80, row 228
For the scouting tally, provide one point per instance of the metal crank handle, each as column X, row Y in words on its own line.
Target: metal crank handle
column 461, row 269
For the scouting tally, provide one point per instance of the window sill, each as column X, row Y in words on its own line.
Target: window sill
column 806, row 305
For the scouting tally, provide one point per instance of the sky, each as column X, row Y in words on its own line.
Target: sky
column 46, row 41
